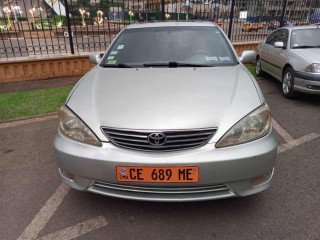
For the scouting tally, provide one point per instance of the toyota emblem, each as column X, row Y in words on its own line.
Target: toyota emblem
column 157, row 139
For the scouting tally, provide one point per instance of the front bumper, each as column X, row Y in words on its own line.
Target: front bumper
column 307, row 82
column 224, row 172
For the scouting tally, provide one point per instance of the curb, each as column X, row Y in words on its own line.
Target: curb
column 29, row 120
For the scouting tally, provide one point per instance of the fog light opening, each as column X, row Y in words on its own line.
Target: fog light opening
column 66, row 174
column 259, row 180
column 313, row 87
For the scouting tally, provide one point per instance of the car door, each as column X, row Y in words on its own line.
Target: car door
column 278, row 56
column 267, row 51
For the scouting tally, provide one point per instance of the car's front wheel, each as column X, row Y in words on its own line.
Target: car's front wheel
column 259, row 72
column 288, row 83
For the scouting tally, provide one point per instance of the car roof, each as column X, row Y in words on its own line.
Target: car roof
column 171, row 24
column 302, row 27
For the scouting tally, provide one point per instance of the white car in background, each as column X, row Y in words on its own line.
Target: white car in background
column 292, row 55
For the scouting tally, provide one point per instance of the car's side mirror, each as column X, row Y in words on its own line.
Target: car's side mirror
column 248, row 56
column 95, row 58
column 278, row 45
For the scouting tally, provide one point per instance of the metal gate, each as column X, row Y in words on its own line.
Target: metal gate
column 42, row 27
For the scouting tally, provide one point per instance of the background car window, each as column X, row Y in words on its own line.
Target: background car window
column 199, row 45
column 305, row 38
column 271, row 39
column 283, row 36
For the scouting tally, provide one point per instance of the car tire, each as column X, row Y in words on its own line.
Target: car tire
column 259, row 72
column 288, row 83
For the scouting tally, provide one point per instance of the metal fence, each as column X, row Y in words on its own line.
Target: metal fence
column 41, row 27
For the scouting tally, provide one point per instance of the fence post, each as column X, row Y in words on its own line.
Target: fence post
column 162, row 11
column 69, row 26
column 231, row 18
column 284, row 8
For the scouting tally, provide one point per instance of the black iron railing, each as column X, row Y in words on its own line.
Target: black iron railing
column 41, row 27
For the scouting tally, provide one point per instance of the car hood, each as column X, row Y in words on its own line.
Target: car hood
column 164, row 98
column 312, row 54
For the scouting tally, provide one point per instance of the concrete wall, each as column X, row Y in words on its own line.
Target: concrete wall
column 28, row 69
column 43, row 68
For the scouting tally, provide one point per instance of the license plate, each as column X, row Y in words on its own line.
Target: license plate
column 175, row 174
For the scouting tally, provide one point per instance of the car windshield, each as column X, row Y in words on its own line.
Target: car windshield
column 305, row 38
column 170, row 47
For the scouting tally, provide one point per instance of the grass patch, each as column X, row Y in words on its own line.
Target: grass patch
column 252, row 69
column 32, row 103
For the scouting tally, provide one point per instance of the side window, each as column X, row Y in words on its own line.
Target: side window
column 271, row 39
column 283, row 37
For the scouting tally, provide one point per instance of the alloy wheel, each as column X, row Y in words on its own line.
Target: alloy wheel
column 288, row 83
column 258, row 67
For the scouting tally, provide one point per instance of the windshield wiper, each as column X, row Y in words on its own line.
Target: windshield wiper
column 306, row 46
column 119, row 65
column 176, row 64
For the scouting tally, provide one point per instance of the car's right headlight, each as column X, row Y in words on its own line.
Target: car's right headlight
column 71, row 126
column 255, row 125
column 313, row 68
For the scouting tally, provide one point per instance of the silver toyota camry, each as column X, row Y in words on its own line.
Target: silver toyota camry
column 169, row 113
column 292, row 56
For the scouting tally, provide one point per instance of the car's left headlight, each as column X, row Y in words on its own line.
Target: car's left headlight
column 71, row 126
column 313, row 68
column 255, row 125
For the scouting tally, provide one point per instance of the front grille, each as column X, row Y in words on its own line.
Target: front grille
column 161, row 190
column 175, row 139
column 152, row 193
